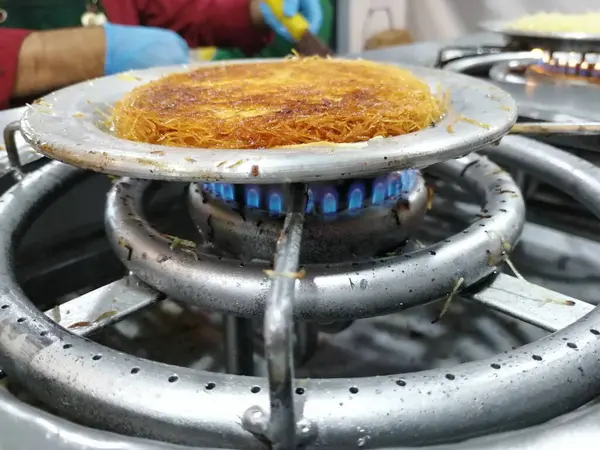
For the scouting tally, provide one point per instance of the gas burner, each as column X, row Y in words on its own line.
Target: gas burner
column 531, row 67
column 123, row 393
column 303, row 291
column 324, row 199
column 558, row 88
column 552, row 67
column 565, row 66
column 554, row 101
column 326, row 292
column 345, row 220
column 564, row 58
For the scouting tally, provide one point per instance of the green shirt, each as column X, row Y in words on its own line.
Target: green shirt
column 45, row 14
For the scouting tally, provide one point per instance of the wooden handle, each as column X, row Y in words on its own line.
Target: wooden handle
column 296, row 25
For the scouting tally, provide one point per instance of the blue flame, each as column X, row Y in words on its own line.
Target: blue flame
column 329, row 201
column 394, row 187
column 356, row 196
column 310, row 201
column 252, row 196
column 323, row 198
column 379, row 191
column 210, row 187
column 408, row 179
column 275, row 203
column 228, row 192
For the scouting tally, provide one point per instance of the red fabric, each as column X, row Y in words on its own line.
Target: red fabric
column 222, row 23
column 10, row 45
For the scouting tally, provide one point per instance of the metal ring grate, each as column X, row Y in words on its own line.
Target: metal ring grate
column 137, row 397
column 327, row 292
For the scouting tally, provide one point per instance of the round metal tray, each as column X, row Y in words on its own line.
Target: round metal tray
column 504, row 28
column 68, row 126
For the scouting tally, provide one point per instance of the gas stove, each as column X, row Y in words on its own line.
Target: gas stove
column 254, row 310
column 555, row 79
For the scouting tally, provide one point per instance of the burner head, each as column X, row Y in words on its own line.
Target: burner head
column 324, row 199
column 345, row 220
column 563, row 66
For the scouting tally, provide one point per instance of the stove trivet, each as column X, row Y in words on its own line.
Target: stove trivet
column 134, row 396
column 66, row 126
column 345, row 220
column 127, row 394
column 451, row 54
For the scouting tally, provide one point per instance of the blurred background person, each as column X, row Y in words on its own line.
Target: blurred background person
column 280, row 46
column 48, row 44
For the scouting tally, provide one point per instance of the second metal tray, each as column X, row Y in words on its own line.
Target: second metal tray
column 582, row 42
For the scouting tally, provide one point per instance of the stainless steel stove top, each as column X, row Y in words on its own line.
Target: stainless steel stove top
column 510, row 370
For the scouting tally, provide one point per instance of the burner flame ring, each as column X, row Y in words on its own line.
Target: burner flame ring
column 328, row 292
column 348, row 228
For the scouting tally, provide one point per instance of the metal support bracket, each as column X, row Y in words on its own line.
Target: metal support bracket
column 12, row 150
column 279, row 426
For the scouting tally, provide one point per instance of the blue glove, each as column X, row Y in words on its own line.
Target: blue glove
column 310, row 9
column 130, row 48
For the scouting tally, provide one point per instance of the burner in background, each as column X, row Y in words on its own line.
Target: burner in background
column 345, row 220
column 550, row 64
column 554, row 61
column 560, row 66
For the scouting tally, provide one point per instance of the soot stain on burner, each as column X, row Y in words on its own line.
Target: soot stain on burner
column 467, row 167
column 396, row 217
column 241, row 212
column 162, row 258
column 211, row 230
column 403, row 205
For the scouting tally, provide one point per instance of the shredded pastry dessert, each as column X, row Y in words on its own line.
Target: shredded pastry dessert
column 588, row 23
column 286, row 103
